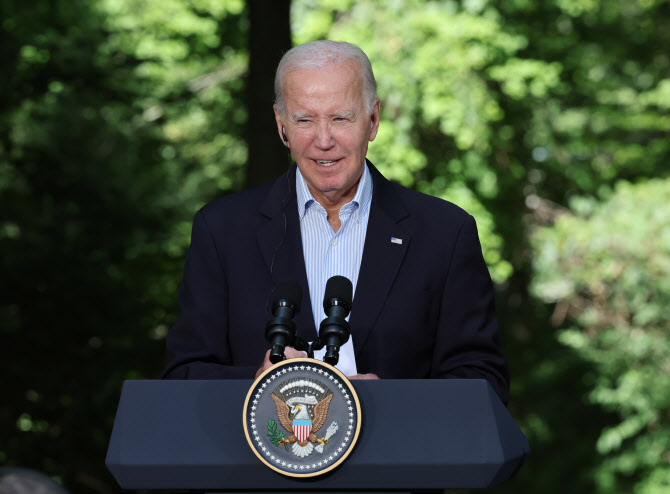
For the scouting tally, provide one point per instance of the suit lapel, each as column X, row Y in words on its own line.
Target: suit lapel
column 281, row 245
column 382, row 257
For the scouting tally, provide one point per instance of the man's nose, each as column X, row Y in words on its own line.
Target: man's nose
column 324, row 137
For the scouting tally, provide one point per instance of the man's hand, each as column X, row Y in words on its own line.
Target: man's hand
column 364, row 376
column 289, row 352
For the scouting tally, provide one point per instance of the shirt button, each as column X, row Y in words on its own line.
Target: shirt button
column 334, row 242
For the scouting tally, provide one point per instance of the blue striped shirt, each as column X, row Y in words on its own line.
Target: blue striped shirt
column 328, row 253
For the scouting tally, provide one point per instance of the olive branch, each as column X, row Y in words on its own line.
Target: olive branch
column 275, row 435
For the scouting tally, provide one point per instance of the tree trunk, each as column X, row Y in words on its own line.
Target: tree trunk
column 269, row 39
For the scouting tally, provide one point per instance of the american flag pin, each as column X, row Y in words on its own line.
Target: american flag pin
column 396, row 240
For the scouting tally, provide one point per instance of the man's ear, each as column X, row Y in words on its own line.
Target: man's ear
column 374, row 120
column 280, row 127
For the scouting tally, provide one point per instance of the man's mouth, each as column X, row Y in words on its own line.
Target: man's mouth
column 326, row 162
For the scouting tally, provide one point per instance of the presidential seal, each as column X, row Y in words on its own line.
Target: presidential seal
column 302, row 417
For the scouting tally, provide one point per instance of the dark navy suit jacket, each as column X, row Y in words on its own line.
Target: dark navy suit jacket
column 423, row 308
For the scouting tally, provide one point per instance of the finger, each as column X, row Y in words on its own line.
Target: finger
column 266, row 364
column 364, row 376
column 291, row 352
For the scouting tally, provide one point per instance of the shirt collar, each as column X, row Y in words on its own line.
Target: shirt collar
column 362, row 199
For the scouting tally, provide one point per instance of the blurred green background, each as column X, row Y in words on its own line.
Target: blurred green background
column 548, row 120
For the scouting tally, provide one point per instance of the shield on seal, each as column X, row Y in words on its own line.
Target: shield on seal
column 302, row 429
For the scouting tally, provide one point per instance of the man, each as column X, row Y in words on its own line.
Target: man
column 423, row 299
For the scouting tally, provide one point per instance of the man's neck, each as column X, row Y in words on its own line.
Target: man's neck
column 333, row 204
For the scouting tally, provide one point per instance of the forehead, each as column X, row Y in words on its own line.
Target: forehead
column 335, row 86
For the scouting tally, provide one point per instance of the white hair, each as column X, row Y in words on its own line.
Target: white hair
column 318, row 54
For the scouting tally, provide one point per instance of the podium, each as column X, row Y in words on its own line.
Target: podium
column 416, row 434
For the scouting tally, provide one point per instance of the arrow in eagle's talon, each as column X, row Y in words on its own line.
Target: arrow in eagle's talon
column 332, row 429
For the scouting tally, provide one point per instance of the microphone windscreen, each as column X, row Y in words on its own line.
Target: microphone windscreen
column 289, row 291
column 338, row 287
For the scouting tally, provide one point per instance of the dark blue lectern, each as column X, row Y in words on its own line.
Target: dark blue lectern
column 416, row 434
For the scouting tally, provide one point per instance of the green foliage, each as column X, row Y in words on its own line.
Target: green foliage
column 116, row 123
column 189, row 65
column 608, row 272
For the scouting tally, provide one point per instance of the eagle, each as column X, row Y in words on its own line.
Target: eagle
column 292, row 417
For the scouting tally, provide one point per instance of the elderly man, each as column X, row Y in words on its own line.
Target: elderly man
column 423, row 304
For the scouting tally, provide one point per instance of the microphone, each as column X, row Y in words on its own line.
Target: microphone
column 280, row 329
column 334, row 330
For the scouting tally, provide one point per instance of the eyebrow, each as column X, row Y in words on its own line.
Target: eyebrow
column 344, row 114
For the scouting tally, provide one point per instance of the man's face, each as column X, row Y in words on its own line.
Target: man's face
column 328, row 128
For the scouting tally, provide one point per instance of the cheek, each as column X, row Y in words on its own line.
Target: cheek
column 359, row 141
column 299, row 145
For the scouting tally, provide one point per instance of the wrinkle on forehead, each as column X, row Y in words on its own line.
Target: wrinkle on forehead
column 311, row 92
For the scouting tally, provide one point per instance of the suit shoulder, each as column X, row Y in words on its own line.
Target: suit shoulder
column 238, row 202
column 244, row 198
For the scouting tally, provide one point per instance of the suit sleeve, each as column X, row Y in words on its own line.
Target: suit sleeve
column 467, row 334
column 198, row 345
